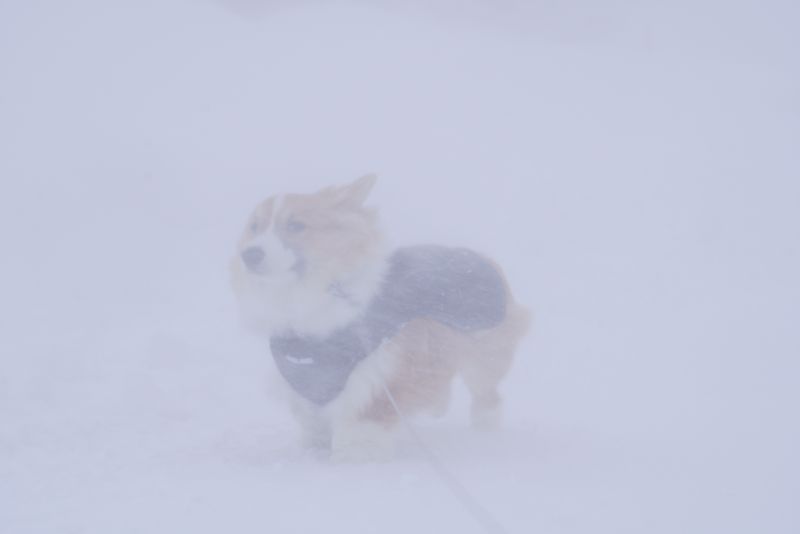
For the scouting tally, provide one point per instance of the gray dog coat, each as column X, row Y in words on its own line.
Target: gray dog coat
column 453, row 286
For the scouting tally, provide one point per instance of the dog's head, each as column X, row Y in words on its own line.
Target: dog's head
column 295, row 248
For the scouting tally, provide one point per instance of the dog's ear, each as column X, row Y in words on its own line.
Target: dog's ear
column 356, row 193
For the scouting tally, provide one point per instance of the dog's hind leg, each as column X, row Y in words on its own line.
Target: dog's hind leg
column 486, row 362
column 484, row 365
column 482, row 377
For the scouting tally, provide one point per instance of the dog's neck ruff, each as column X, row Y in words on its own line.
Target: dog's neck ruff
column 453, row 286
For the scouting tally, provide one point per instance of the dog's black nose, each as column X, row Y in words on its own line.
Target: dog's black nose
column 252, row 257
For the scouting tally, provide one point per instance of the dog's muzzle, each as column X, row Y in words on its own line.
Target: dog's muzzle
column 253, row 257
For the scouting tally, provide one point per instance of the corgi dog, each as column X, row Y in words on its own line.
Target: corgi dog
column 362, row 334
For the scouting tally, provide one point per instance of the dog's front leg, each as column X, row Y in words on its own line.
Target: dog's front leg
column 315, row 428
column 359, row 439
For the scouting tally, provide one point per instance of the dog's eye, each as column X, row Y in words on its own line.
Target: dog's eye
column 295, row 227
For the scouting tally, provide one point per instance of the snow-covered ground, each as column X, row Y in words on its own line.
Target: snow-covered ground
column 633, row 165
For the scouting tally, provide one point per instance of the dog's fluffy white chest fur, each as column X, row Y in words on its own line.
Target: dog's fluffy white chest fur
column 311, row 305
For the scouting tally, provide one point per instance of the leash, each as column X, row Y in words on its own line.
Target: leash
column 479, row 513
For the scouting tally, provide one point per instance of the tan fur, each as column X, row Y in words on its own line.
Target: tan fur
column 329, row 238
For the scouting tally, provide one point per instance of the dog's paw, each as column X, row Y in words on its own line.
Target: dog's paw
column 361, row 454
column 315, row 437
column 362, row 441
column 485, row 419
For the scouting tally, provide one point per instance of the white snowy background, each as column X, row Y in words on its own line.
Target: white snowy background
column 632, row 164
